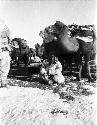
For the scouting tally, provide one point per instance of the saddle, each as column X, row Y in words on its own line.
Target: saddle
column 86, row 39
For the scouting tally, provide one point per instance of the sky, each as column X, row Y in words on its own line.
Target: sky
column 26, row 18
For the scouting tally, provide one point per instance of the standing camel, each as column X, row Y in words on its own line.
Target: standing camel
column 56, row 39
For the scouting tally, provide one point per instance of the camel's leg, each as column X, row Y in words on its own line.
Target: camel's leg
column 80, row 72
column 89, row 73
column 87, row 59
column 78, row 61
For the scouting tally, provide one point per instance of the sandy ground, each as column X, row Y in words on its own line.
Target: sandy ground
column 33, row 103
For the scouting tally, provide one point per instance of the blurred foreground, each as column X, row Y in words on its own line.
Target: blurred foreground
column 29, row 100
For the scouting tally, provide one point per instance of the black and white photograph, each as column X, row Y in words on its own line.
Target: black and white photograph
column 48, row 62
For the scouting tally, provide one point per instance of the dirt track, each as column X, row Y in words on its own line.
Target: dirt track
column 28, row 101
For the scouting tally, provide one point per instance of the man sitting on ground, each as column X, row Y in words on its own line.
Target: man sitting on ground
column 55, row 71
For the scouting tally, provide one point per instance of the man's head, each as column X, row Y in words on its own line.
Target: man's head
column 4, row 36
column 51, row 58
column 4, row 30
column 56, row 59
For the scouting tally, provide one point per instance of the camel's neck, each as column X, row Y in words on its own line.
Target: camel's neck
column 64, row 37
column 64, row 34
column 71, row 45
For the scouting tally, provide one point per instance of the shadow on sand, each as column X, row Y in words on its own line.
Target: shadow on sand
column 23, row 78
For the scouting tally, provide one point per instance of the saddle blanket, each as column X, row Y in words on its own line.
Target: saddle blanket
column 86, row 39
